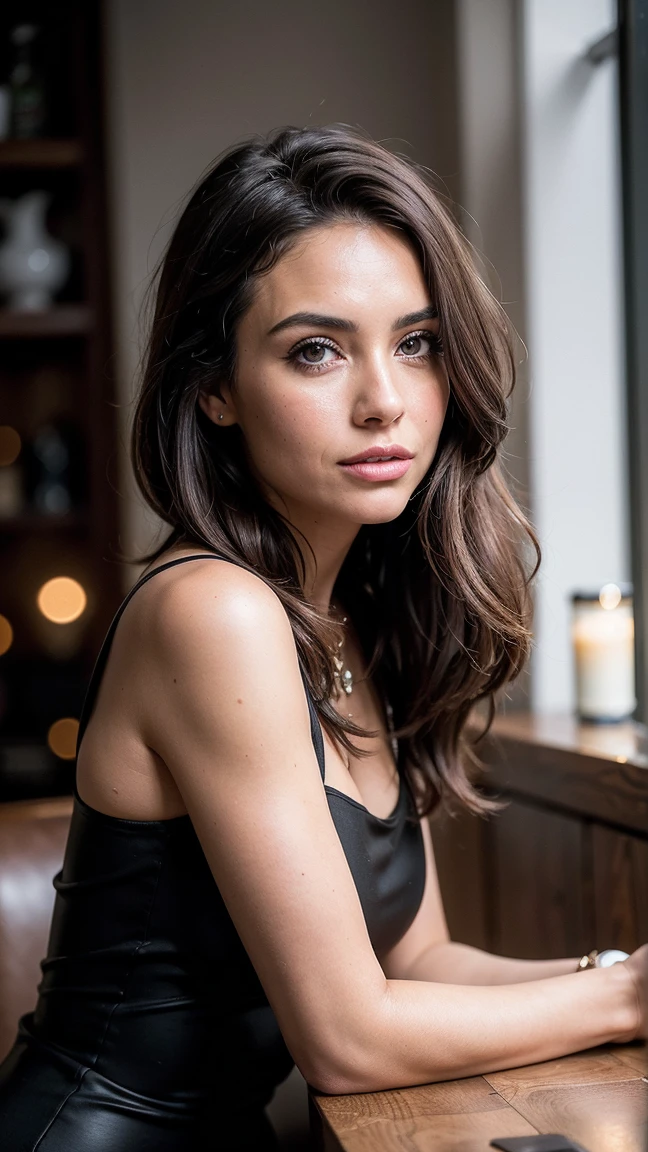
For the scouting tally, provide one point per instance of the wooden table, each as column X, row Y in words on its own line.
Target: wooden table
column 599, row 1098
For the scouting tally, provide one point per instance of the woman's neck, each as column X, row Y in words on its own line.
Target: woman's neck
column 323, row 563
column 324, row 547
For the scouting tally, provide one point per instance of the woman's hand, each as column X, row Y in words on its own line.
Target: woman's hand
column 637, row 966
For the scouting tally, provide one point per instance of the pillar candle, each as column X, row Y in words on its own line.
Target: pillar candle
column 603, row 643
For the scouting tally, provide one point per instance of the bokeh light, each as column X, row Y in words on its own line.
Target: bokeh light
column 6, row 635
column 62, row 738
column 62, row 600
column 610, row 596
column 10, row 444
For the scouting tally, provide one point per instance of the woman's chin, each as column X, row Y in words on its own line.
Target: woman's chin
column 376, row 507
column 380, row 509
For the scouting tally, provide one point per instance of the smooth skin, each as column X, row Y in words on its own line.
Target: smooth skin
column 202, row 708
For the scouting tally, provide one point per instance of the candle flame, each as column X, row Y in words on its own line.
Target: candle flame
column 610, row 596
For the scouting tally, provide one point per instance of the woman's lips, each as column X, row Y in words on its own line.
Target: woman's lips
column 378, row 469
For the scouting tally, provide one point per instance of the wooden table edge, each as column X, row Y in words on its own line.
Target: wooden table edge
column 326, row 1139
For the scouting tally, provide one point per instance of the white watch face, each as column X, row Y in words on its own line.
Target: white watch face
column 610, row 956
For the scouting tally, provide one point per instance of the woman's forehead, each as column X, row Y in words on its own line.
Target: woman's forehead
column 346, row 270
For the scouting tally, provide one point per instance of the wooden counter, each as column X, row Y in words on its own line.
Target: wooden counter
column 598, row 1098
column 597, row 770
column 564, row 867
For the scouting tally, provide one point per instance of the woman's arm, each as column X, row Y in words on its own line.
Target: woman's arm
column 426, row 952
column 226, row 711
column 454, row 963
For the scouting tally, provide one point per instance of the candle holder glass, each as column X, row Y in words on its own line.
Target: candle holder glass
column 603, row 645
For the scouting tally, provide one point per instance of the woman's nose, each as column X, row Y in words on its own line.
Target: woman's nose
column 377, row 396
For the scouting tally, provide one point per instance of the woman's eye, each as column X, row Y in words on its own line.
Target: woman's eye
column 313, row 354
column 421, row 344
column 316, row 354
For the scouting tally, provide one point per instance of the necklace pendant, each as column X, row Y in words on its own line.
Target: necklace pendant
column 343, row 676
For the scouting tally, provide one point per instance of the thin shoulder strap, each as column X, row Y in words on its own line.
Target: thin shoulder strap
column 102, row 658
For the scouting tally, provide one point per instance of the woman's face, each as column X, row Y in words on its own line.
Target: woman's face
column 338, row 356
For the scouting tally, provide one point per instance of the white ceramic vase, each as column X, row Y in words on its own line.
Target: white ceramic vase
column 33, row 265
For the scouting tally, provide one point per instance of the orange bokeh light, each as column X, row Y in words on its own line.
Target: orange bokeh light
column 6, row 635
column 62, row 600
column 62, row 738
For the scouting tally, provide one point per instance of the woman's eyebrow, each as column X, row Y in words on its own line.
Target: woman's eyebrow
column 316, row 319
column 319, row 320
column 429, row 313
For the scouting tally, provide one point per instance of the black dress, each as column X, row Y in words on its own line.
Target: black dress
column 152, row 1032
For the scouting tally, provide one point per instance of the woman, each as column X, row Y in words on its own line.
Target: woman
column 248, row 880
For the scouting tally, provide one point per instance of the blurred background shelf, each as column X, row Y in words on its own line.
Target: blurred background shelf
column 43, row 522
column 58, row 431
column 41, row 153
column 60, row 320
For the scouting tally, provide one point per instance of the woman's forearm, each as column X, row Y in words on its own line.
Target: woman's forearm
column 453, row 963
column 421, row 1032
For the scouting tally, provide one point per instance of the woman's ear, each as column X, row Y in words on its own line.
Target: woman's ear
column 218, row 407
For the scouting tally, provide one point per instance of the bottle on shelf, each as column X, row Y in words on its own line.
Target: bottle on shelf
column 27, row 90
column 33, row 264
column 54, row 469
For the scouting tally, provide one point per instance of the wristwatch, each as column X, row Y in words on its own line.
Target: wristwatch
column 604, row 959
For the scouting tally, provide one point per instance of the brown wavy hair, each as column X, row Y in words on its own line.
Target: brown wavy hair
column 440, row 596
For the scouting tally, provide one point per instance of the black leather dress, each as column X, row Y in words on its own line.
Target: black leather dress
column 152, row 1032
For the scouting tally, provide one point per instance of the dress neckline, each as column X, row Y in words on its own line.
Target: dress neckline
column 390, row 819
column 96, row 814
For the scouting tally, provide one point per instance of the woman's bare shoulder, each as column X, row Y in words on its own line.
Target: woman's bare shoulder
column 187, row 638
column 208, row 599
column 208, row 635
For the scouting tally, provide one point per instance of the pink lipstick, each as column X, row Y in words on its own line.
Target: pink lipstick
column 380, row 462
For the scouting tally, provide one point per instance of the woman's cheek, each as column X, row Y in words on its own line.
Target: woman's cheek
column 282, row 447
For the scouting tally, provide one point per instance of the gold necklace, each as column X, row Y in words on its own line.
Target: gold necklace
column 343, row 676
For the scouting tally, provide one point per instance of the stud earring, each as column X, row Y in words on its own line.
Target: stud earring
column 220, row 416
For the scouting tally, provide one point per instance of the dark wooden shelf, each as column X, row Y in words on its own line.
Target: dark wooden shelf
column 40, row 153
column 58, row 364
column 60, row 320
column 40, row 521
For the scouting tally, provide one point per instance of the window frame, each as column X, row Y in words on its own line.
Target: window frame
column 633, row 93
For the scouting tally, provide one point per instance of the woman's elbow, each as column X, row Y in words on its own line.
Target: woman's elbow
column 345, row 1052
column 343, row 1068
column 332, row 1079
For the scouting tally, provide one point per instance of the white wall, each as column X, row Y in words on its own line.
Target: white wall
column 491, row 200
column 490, row 177
column 184, row 81
column 574, row 325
